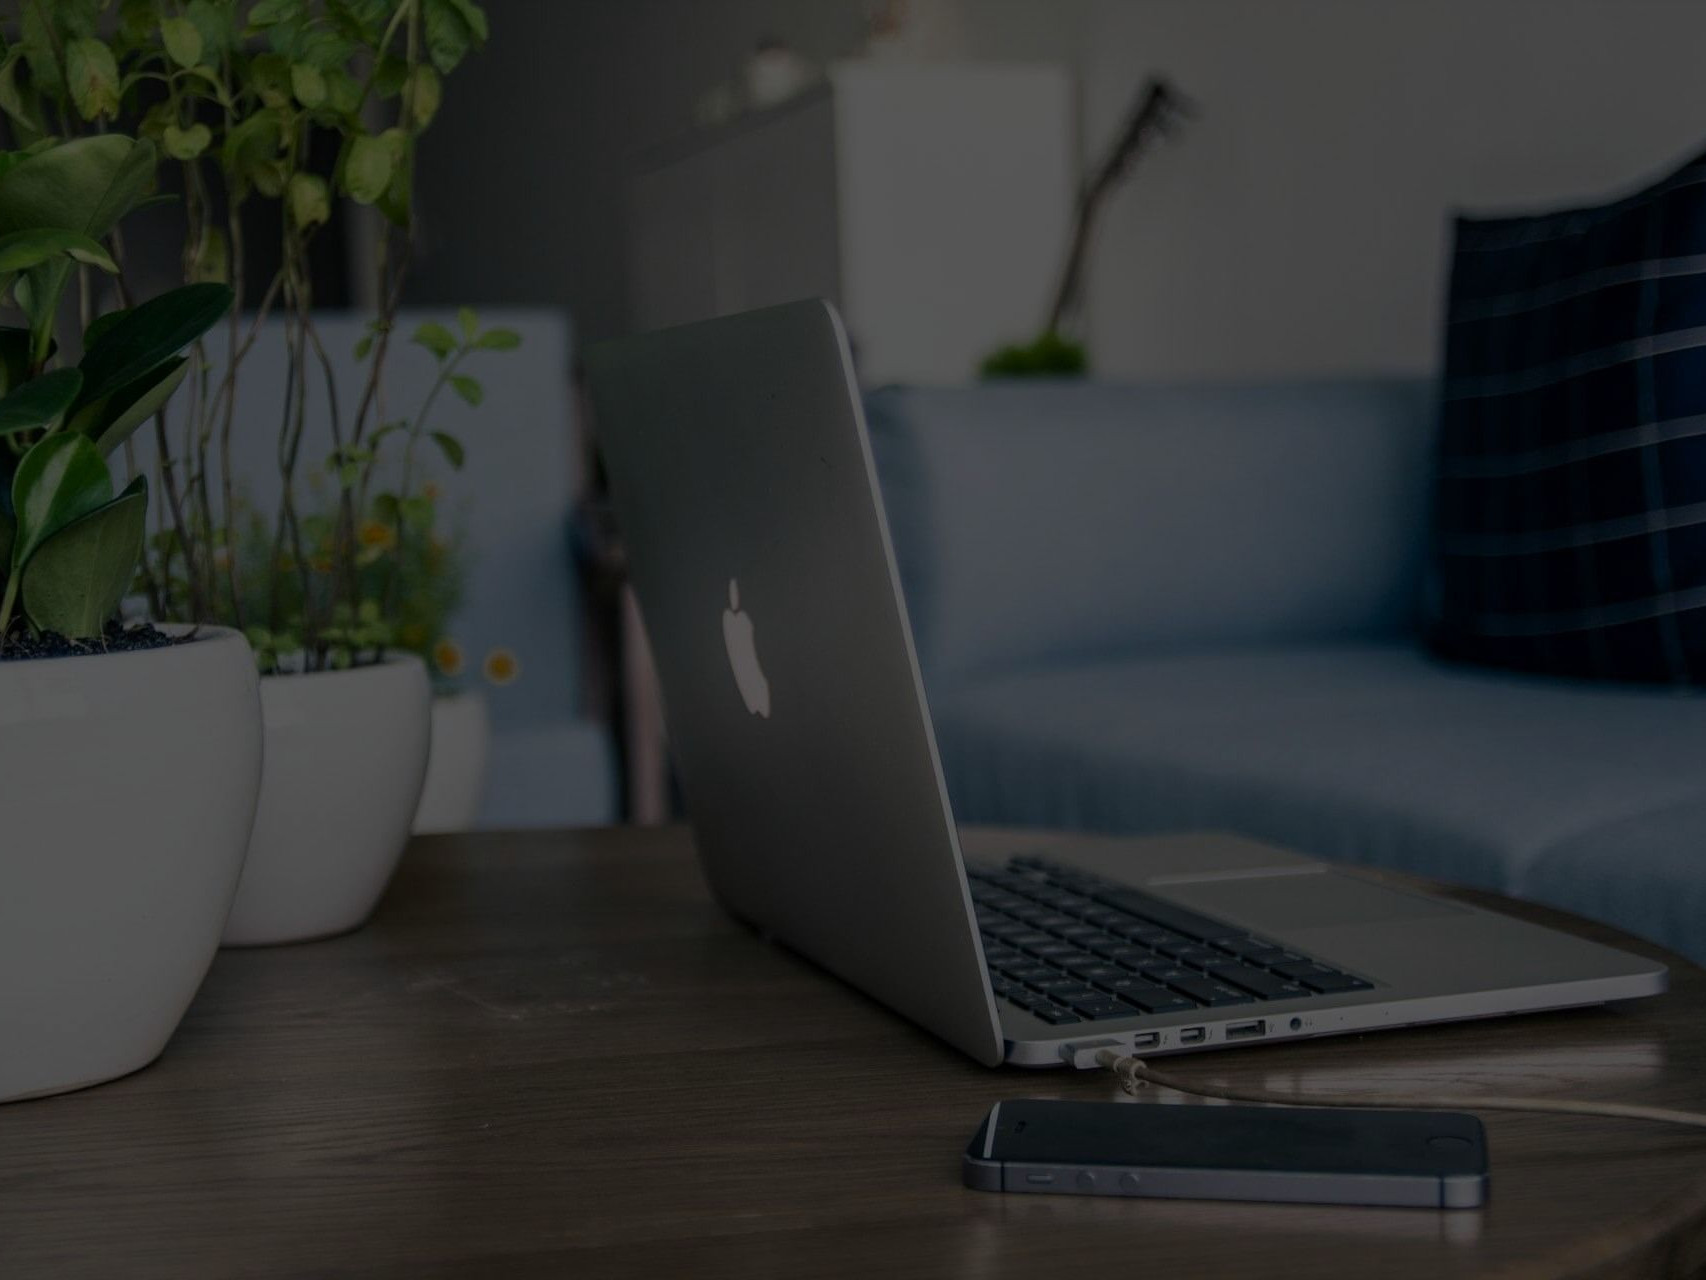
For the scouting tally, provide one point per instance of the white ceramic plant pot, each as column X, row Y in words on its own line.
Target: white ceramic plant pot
column 345, row 755
column 128, row 784
column 456, row 765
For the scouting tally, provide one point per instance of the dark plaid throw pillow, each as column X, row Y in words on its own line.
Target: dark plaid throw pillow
column 1570, row 517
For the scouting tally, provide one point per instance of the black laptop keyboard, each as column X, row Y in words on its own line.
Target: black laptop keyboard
column 1071, row 947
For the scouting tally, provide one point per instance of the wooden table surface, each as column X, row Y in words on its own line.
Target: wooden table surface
column 550, row 1055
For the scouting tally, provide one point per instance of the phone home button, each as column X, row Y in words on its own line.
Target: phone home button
column 1128, row 1183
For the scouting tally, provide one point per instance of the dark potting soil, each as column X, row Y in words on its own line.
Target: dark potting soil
column 117, row 638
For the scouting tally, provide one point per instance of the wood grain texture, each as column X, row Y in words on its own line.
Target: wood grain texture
column 550, row 1054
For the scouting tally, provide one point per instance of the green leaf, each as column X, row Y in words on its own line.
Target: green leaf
column 498, row 340
column 39, row 42
column 100, row 324
column 398, row 196
column 62, row 478
column 474, row 17
column 38, row 295
column 451, row 447
column 423, row 92
column 468, row 388
column 307, row 84
column 435, row 338
column 149, row 335
column 363, row 345
column 182, row 40
column 92, row 78
column 269, row 73
column 7, row 529
column 214, row 24
column 24, row 249
column 453, row 28
column 267, row 13
column 22, row 114
column 185, row 144
column 39, row 402
column 253, row 141
column 84, row 185
column 212, row 261
column 468, row 322
column 310, row 201
column 136, row 20
column 113, row 419
column 390, row 76
column 77, row 578
column 343, row 92
column 367, row 168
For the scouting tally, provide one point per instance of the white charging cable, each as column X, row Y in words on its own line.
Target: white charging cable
column 1134, row 1073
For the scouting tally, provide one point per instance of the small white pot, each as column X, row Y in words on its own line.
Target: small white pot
column 345, row 755
column 128, row 784
column 456, row 765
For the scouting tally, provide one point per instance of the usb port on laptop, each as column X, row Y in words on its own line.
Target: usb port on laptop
column 1246, row 1030
column 1193, row 1035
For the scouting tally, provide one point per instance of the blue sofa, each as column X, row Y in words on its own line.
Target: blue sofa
column 1154, row 608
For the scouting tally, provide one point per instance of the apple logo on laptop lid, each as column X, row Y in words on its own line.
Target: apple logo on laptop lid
column 743, row 655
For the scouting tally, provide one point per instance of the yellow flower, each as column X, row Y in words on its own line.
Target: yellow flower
column 447, row 657
column 502, row 666
column 376, row 534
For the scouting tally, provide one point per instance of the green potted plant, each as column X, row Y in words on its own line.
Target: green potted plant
column 297, row 105
column 130, row 755
column 410, row 573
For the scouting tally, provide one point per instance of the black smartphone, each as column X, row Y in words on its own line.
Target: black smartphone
column 1318, row 1155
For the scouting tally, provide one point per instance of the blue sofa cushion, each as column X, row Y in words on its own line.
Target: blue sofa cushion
column 1642, row 873
column 1040, row 520
column 1571, row 506
column 1363, row 753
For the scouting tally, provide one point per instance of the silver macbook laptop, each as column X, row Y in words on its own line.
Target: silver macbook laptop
column 745, row 490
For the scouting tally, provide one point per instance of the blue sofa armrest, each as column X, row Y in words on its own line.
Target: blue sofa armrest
column 1064, row 519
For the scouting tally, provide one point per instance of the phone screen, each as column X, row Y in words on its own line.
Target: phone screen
column 1277, row 1139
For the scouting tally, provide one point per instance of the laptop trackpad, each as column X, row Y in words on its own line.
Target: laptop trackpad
column 1311, row 901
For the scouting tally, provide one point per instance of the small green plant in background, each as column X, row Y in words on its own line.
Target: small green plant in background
column 70, row 544
column 1158, row 111
column 1049, row 355
column 409, row 572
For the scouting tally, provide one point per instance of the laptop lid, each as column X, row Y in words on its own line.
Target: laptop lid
column 758, row 549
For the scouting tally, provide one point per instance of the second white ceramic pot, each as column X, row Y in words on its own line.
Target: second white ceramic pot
column 456, row 766
column 346, row 752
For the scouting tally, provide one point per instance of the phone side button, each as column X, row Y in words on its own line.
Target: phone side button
column 1086, row 1182
column 1129, row 1183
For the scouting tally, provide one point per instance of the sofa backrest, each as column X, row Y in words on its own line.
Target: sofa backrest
column 1048, row 521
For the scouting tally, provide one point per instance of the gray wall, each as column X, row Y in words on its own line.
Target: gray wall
column 522, row 177
column 1299, row 227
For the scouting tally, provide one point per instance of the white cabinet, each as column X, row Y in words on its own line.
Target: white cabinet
column 930, row 202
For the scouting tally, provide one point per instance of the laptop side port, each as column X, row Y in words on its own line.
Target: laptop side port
column 1146, row 1040
column 1193, row 1035
column 1247, row 1030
